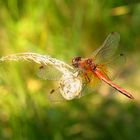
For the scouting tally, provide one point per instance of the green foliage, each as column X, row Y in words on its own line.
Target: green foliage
column 64, row 29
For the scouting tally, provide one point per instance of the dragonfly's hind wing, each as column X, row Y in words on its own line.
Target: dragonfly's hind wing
column 90, row 84
column 111, row 68
column 54, row 96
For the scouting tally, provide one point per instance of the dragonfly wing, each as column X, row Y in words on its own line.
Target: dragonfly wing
column 55, row 96
column 108, row 48
column 48, row 72
column 111, row 68
column 90, row 83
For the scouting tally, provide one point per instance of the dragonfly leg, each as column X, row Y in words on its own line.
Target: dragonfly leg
column 87, row 78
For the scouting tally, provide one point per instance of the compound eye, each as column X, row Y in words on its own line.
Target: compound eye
column 75, row 61
column 78, row 58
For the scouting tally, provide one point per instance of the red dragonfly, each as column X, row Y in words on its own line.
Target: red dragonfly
column 96, row 68
column 89, row 71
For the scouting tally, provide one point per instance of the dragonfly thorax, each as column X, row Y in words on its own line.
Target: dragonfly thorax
column 89, row 64
column 83, row 64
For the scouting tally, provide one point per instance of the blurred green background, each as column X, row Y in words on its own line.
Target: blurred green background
column 64, row 29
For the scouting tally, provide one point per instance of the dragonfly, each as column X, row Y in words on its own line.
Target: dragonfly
column 82, row 73
column 96, row 67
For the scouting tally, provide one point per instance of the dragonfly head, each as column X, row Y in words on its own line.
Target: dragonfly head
column 75, row 61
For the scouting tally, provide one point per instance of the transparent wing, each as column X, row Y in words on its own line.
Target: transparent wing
column 90, row 83
column 111, row 68
column 48, row 72
column 55, row 96
column 108, row 48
